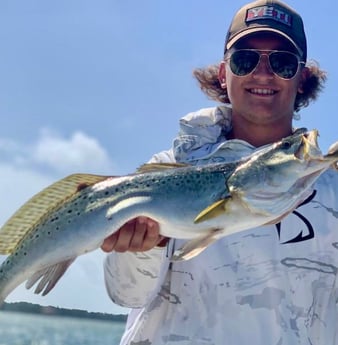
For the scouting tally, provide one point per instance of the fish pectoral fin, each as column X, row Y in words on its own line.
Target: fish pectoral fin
column 48, row 277
column 196, row 246
column 153, row 167
column 212, row 211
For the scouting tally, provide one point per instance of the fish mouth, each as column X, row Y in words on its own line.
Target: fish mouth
column 308, row 148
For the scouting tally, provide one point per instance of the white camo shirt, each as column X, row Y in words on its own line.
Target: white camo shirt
column 272, row 285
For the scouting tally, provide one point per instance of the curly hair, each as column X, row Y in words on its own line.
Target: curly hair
column 312, row 86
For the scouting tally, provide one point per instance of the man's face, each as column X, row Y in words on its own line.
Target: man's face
column 261, row 97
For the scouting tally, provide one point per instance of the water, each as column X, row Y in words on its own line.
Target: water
column 29, row 329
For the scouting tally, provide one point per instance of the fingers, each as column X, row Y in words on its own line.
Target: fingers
column 132, row 238
column 109, row 243
column 152, row 235
column 137, row 235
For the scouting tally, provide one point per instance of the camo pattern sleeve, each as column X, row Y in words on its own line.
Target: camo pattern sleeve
column 132, row 278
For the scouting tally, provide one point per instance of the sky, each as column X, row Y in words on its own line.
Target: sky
column 99, row 86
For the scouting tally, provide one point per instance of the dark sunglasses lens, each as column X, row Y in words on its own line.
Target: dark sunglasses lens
column 284, row 64
column 243, row 62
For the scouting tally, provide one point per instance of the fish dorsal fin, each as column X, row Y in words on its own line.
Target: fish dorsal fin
column 216, row 209
column 155, row 167
column 28, row 215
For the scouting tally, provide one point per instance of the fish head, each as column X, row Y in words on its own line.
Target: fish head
column 310, row 153
column 280, row 170
column 295, row 156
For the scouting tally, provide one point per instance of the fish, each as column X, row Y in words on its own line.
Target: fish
column 199, row 204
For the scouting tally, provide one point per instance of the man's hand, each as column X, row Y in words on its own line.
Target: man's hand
column 138, row 235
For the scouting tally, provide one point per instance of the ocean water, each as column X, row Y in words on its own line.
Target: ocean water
column 29, row 329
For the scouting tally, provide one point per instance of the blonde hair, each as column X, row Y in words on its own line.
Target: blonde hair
column 312, row 86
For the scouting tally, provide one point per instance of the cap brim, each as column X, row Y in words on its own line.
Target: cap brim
column 250, row 31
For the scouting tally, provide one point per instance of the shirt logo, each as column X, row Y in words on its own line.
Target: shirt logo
column 302, row 236
column 268, row 12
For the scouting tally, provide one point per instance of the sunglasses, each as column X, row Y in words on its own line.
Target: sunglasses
column 282, row 63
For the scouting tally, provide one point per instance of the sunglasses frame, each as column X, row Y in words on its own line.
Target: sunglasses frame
column 265, row 52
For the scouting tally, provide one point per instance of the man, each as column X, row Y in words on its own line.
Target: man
column 275, row 284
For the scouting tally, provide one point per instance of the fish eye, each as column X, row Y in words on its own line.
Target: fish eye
column 286, row 145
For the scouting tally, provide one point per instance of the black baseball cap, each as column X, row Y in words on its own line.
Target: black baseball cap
column 272, row 16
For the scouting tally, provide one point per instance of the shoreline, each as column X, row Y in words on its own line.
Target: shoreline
column 30, row 308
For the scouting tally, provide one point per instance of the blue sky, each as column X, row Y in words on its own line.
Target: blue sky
column 99, row 86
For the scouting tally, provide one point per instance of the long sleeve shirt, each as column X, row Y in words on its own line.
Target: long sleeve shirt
column 275, row 284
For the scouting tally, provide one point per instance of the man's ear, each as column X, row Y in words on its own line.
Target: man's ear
column 304, row 76
column 222, row 75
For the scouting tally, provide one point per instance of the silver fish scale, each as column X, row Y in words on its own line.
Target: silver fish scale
column 167, row 184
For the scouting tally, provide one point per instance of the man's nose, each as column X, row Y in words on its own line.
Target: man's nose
column 263, row 67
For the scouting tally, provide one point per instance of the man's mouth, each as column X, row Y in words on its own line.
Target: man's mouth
column 262, row 92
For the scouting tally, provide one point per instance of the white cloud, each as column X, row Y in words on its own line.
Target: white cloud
column 13, row 152
column 79, row 153
column 58, row 154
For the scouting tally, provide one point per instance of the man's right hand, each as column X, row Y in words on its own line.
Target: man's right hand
column 138, row 235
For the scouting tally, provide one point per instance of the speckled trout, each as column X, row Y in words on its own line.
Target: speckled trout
column 198, row 203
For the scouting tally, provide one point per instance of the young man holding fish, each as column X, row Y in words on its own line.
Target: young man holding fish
column 275, row 284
